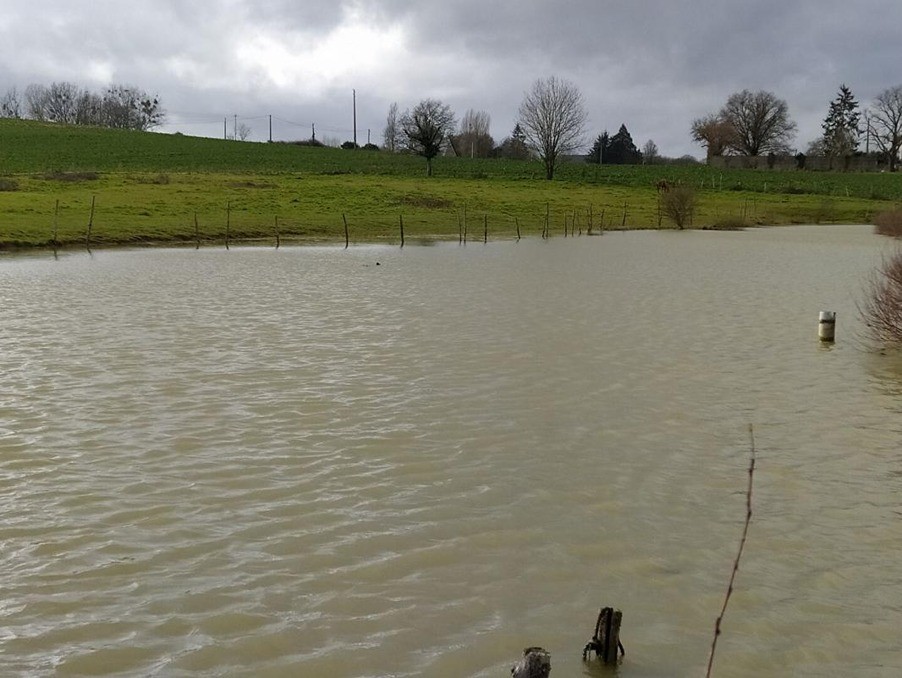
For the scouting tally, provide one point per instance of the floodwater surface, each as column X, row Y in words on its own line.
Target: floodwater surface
column 384, row 462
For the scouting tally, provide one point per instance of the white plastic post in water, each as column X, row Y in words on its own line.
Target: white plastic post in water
column 826, row 325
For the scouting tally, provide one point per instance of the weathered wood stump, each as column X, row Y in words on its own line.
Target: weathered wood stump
column 606, row 641
column 536, row 663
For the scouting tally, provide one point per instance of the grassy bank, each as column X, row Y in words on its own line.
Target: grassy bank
column 148, row 187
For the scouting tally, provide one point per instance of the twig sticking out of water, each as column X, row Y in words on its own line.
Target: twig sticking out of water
column 745, row 531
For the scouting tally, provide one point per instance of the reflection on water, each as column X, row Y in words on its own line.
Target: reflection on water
column 262, row 462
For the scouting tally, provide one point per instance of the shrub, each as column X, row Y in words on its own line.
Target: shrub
column 730, row 224
column 315, row 143
column 889, row 223
column 882, row 310
column 59, row 175
column 678, row 205
column 7, row 184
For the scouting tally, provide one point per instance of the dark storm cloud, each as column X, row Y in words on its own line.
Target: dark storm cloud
column 654, row 64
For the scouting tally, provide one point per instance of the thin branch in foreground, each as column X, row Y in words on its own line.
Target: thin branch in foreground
column 745, row 531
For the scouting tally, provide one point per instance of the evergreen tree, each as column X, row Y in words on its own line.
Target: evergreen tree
column 622, row 150
column 599, row 153
column 841, row 130
column 514, row 146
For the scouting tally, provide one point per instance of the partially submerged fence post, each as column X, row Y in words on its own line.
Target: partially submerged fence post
column 278, row 239
column 401, row 225
column 605, row 642
column 90, row 224
column 547, row 217
column 485, row 229
column 347, row 234
column 196, row 233
column 228, row 223
column 465, row 224
column 56, row 219
column 517, row 221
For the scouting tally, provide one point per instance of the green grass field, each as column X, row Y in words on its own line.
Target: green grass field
column 148, row 188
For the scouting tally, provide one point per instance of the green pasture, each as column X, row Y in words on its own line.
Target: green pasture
column 148, row 188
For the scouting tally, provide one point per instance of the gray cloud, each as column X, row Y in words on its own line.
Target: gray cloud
column 651, row 64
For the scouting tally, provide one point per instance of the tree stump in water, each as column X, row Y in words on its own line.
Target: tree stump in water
column 606, row 641
column 536, row 663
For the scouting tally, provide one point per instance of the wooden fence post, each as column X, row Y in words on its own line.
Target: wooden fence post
column 605, row 642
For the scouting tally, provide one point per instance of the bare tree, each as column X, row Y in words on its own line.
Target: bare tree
column 128, row 107
column 392, row 136
column 427, row 129
column 760, row 121
column 474, row 140
column 89, row 109
column 553, row 118
column 11, row 104
column 62, row 102
column 882, row 310
column 36, row 102
column 714, row 133
column 650, row 152
column 243, row 131
column 885, row 123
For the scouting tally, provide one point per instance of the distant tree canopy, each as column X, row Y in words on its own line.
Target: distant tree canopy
column 615, row 150
column 427, row 128
column 473, row 140
column 714, row 133
column 885, row 123
column 118, row 106
column 750, row 123
column 514, row 147
column 392, row 135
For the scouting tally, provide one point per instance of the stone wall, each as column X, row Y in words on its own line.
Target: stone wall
column 849, row 163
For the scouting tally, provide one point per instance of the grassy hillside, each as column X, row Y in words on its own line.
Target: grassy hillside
column 149, row 187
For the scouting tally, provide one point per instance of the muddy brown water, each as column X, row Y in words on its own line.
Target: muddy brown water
column 385, row 462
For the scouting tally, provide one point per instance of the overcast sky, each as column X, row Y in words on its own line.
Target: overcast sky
column 651, row 64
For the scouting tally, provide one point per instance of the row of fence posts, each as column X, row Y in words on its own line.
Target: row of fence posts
column 572, row 226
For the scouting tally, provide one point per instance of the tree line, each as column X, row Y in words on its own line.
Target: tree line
column 116, row 106
column 551, row 125
column 552, row 120
column 758, row 123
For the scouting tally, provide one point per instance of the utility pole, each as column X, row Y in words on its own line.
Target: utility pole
column 355, row 117
column 313, row 132
column 225, row 131
column 235, row 127
column 270, row 129
column 867, row 134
